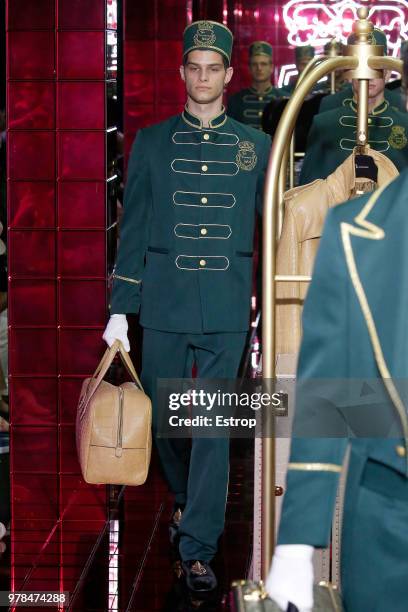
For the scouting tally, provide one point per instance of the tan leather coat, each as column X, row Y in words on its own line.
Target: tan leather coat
column 305, row 210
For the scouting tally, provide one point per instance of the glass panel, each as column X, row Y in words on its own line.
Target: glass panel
column 73, row 15
column 32, row 253
column 81, row 55
column 31, row 55
column 32, row 204
column 28, row 342
column 81, row 204
column 23, row 15
column 82, row 303
column 80, row 351
column 34, row 453
column 81, row 155
column 81, row 253
column 31, row 105
column 32, row 302
column 31, row 158
column 67, row 450
column 35, row 496
column 69, row 391
column 73, row 113
column 35, row 401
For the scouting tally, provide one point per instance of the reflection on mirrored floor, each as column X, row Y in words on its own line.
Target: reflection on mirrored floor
column 126, row 564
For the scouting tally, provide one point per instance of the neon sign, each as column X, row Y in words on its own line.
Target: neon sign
column 310, row 22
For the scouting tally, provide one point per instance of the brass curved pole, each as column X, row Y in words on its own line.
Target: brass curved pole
column 386, row 63
column 282, row 136
column 315, row 61
column 290, row 153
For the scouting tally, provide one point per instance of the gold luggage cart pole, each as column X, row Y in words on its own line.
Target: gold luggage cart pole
column 364, row 61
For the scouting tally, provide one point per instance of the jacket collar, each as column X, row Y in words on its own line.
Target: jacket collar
column 377, row 110
column 264, row 93
column 366, row 229
column 196, row 122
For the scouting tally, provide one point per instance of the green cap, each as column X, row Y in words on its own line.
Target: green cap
column 208, row 35
column 260, row 47
column 305, row 51
column 378, row 38
column 334, row 45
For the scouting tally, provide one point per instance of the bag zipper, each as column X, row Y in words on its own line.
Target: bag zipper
column 118, row 449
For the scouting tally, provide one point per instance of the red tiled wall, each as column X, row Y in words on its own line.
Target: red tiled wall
column 57, row 199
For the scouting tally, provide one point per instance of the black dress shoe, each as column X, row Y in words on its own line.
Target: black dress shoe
column 199, row 576
column 174, row 525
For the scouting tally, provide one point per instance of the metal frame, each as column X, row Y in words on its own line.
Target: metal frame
column 364, row 62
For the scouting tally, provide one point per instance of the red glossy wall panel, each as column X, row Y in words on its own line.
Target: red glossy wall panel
column 31, row 158
column 153, row 54
column 35, row 453
column 57, row 192
column 68, row 459
column 78, row 499
column 81, row 253
column 38, row 399
column 82, row 303
column 45, row 501
column 32, row 253
column 71, row 15
column 69, row 389
column 31, row 204
column 73, row 113
column 81, row 55
column 81, row 155
column 31, row 55
column 40, row 294
column 32, row 105
column 39, row 355
column 80, row 351
column 81, row 204
column 23, row 15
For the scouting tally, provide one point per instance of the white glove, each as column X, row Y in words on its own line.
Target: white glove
column 290, row 578
column 117, row 329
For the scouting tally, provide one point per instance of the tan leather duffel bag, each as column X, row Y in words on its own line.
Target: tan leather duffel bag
column 113, row 426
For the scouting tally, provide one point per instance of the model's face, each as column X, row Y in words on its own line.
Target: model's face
column 205, row 76
column 375, row 87
column 261, row 68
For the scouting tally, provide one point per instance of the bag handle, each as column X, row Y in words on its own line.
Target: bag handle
column 103, row 367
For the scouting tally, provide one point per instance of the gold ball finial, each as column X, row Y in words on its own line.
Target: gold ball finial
column 362, row 12
column 362, row 28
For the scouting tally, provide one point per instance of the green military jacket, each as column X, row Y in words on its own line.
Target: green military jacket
column 352, row 373
column 332, row 138
column 345, row 96
column 185, row 254
column 247, row 106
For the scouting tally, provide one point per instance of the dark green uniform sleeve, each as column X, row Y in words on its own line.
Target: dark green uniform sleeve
column 262, row 176
column 315, row 462
column 314, row 152
column 134, row 235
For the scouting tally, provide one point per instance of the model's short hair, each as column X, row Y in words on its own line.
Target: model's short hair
column 224, row 60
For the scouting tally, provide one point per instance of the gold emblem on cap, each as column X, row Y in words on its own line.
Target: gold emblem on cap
column 205, row 35
column 246, row 157
column 398, row 138
column 257, row 48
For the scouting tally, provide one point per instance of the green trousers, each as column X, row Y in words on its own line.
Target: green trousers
column 196, row 470
column 374, row 564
